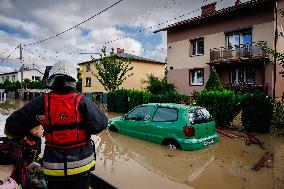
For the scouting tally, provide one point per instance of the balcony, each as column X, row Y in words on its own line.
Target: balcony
column 239, row 53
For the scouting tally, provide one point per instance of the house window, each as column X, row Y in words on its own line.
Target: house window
column 88, row 81
column 88, row 67
column 13, row 78
column 238, row 38
column 196, row 77
column 7, row 78
column 3, row 79
column 37, row 78
column 197, row 47
column 241, row 75
column 33, row 77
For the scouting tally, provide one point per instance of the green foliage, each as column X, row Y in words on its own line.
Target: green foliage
column 257, row 111
column 125, row 100
column 156, row 86
column 278, row 56
column 168, row 97
column 13, row 86
column 111, row 71
column 213, row 82
column 35, row 84
column 278, row 115
column 223, row 105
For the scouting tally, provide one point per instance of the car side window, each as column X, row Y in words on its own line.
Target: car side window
column 164, row 114
column 141, row 113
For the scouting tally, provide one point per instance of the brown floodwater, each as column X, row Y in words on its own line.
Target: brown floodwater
column 128, row 162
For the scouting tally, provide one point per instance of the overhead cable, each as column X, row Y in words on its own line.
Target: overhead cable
column 56, row 35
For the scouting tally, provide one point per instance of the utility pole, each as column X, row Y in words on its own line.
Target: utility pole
column 22, row 67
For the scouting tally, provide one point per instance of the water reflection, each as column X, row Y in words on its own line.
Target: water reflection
column 176, row 165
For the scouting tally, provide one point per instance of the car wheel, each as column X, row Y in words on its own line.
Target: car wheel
column 172, row 144
column 113, row 128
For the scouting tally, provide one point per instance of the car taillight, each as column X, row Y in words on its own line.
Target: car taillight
column 188, row 131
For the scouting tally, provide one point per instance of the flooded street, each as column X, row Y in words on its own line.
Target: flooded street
column 131, row 163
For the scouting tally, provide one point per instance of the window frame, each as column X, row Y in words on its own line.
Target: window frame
column 240, row 33
column 190, row 77
column 194, row 43
column 170, row 121
column 88, row 67
column 150, row 115
column 236, row 73
column 86, row 85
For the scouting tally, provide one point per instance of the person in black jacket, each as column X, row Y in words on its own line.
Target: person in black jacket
column 69, row 119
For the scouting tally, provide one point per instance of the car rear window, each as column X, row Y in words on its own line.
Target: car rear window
column 199, row 115
column 164, row 114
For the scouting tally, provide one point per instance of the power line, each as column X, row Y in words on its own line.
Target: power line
column 75, row 25
column 10, row 54
column 160, row 24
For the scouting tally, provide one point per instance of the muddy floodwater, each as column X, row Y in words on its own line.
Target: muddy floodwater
column 132, row 163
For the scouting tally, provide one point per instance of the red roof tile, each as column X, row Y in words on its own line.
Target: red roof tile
column 233, row 9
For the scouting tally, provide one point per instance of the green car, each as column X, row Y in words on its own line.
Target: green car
column 175, row 125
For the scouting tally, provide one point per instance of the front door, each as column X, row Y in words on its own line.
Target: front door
column 135, row 121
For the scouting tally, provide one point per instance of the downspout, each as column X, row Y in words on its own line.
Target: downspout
column 275, row 46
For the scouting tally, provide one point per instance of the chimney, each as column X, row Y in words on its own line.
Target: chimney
column 119, row 50
column 238, row 2
column 208, row 9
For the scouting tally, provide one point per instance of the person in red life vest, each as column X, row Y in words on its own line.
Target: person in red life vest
column 69, row 119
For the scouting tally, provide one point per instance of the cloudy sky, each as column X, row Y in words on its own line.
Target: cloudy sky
column 28, row 21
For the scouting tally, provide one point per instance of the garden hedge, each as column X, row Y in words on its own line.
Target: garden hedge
column 257, row 112
column 223, row 105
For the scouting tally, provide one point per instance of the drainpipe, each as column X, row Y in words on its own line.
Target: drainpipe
column 275, row 46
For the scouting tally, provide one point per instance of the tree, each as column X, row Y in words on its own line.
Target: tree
column 278, row 56
column 111, row 71
column 213, row 82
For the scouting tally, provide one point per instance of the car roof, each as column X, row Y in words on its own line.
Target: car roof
column 172, row 105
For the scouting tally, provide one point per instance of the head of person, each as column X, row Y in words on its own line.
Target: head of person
column 62, row 77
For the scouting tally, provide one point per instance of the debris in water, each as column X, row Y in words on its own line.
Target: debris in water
column 264, row 160
column 253, row 140
column 168, row 155
column 229, row 134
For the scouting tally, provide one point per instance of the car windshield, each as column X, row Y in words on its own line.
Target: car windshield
column 141, row 113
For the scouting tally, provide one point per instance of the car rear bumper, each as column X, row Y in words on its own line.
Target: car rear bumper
column 197, row 144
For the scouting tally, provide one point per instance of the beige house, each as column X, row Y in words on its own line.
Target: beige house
column 141, row 68
column 227, row 40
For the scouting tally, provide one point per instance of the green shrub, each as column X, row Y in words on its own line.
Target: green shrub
column 137, row 97
column 213, row 82
column 278, row 115
column 125, row 100
column 257, row 110
column 170, row 97
column 157, row 86
column 111, row 106
column 223, row 105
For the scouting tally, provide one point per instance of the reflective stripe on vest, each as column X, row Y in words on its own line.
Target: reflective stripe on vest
column 78, row 170
column 70, row 165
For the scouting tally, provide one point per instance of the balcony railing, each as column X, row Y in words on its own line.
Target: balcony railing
column 243, row 51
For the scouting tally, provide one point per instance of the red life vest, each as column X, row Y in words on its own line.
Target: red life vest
column 62, row 122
